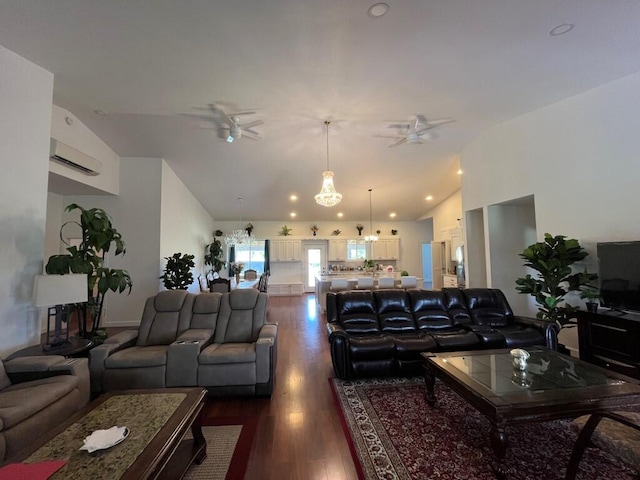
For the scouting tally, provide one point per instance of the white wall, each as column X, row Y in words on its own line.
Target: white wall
column 136, row 215
column 26, row 93
column 445, row 215
column 185, row 226
column 578, row 157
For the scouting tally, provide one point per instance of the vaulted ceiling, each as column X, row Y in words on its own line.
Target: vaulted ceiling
column 298, row 63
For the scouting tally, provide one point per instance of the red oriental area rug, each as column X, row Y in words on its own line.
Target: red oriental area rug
column 394, row 434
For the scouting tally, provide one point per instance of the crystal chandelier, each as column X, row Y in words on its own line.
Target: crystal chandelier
column 371, row 237
column 237, row 237
column 328, row 197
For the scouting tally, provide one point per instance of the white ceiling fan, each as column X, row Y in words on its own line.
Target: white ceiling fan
column 229, row 123
column 416, row 131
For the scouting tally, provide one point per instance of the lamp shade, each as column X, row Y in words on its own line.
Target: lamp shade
column 50, row 290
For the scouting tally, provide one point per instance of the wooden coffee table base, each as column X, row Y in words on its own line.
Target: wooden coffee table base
column 565, row 387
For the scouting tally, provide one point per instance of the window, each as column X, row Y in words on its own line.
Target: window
column 356, row 250
column 252, row 255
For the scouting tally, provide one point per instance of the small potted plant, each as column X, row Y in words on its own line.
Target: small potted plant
column 248, row 228
column 359, row 227
column 368, row 265
column 336, row 232
column 591, row 295
column 314, row 229
column 236, row 269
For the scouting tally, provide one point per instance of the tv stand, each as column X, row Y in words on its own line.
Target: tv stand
column 610, row 339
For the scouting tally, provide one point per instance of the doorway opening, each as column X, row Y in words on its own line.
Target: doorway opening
column 315, row 258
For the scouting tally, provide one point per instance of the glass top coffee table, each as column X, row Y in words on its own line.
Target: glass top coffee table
column 551, row 386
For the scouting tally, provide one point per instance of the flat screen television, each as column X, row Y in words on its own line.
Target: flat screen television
column 619, row 275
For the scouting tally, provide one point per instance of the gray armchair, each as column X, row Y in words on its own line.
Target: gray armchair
column 36, row 395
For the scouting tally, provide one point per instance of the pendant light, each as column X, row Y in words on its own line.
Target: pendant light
column 371, row 237
column 237, row 236
column 328, row 197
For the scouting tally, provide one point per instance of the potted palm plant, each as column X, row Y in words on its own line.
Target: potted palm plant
column 98, row 238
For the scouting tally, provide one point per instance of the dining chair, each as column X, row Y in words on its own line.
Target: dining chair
column 365, row 283
column 250, row 274
column 386, row 282
column 202, row 281
column 408, row 281
column 220, row 285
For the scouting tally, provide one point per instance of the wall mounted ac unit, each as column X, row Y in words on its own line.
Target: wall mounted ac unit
column 69, row 156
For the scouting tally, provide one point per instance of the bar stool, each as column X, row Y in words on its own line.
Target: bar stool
column 408, row 281
column 386, row 282
column 339, row 284
column 365, row 283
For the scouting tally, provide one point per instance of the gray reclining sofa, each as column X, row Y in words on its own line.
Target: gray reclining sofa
column 219, row 341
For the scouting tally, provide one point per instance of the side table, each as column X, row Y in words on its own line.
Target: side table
column 77, row 347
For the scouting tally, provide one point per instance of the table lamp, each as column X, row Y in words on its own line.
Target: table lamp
column 56, row 292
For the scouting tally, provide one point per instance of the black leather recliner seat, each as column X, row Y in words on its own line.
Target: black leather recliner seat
column 383, row 332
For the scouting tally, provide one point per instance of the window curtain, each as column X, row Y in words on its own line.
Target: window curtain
column 232, row 258
column 267, row 262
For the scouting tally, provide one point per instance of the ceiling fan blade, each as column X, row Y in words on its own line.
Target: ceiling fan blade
column 218, row 111
column 249, row 125
column 199, row 116
column 235, row 114
column 399, row 142
column 251, row 135
column 250, row 130
column 403, row 126
column 389, row 136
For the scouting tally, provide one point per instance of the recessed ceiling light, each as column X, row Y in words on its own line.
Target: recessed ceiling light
column 293, row 197
column 460, row 171
column 377, row 10
column 561, row 29
column 340, row 214
column 100, row 112
column 429, row 198
column 392, row 214
column 292, row 214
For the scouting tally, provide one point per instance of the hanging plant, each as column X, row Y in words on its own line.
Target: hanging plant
column 286, row 231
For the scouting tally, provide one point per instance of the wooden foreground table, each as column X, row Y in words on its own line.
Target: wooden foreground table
column 155, row 448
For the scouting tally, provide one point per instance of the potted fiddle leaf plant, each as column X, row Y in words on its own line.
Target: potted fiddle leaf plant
column 552, row 259
column 177, row 272
column 98, row 238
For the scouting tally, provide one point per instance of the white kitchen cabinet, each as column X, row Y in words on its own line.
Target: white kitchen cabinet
column 337, row 250
column 285, row 289
column 450, row 281
column 386, row 249
column 286, row 251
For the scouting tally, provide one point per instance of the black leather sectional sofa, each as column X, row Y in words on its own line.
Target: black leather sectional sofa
column 382, row 332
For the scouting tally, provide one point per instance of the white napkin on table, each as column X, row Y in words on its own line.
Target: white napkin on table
column 101, row 439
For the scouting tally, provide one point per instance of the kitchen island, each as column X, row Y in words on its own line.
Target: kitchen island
column 323, row 282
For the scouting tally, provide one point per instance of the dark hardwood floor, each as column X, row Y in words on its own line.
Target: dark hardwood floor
column 299, row 433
